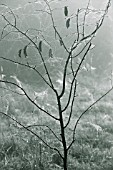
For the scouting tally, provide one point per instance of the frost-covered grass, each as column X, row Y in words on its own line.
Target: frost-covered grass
column 92, row 150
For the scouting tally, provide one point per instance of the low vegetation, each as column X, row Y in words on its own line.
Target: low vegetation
column 93, row 149
column 54, row 113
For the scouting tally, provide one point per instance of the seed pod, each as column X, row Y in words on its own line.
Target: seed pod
column 20, row 53
column 25, row 51
column 66, row 11
column 68, row 23
column 40, row 46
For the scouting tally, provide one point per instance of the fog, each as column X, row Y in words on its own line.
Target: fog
column 102, row 55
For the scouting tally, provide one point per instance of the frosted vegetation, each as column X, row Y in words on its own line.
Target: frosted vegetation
column 55, row 100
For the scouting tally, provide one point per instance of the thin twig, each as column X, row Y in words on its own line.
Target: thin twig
column 35, row 125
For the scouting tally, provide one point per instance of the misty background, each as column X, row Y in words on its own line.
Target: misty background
column 101, row 56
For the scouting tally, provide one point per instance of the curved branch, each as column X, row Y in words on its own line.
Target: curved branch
column 83, row 47
column 29, row 98
column 83, row 58
column 74, row 77
column 35, row 125
column 54, row 27
column 72, row 103
column 11, row 90
column 64, row 75
column 35, row 45
column 84, row 20
column 82, row 114
column 28, row 66
column 99, row 24
column 29, row 130
column 11, row 12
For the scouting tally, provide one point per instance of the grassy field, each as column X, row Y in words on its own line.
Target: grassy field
column 93, row 148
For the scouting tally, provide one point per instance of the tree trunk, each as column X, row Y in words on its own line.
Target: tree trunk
column 65, row 160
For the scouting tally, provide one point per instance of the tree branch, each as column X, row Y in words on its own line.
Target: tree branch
column 29, row 98
column 28, row 66
column 35, row 125
column 29, row 130
column 82, row 114
column 35, row 45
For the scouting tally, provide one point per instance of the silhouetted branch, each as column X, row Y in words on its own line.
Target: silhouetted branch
column 80, row 39
column 54, row 27
column 35, row 125
column 72, row 104
column 29, row 98
column 35, row 45
column 11, row 90
column 84, row 19
column 83, row 113
column 29, row 130
column 28, row 66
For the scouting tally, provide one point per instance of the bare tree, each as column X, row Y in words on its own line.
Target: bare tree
column 59, row 49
